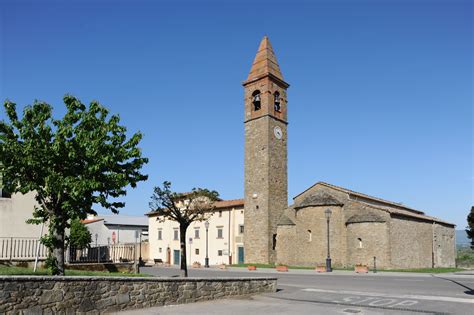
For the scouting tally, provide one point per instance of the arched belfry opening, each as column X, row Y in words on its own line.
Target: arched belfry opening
column 256, row 100
column 277, row 101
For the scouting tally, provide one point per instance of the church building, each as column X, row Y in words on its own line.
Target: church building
column 261, row 228
column 359, row 227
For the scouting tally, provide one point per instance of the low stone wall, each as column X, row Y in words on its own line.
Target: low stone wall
column 96, row 295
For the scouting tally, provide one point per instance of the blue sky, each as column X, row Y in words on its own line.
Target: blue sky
column 380, row 98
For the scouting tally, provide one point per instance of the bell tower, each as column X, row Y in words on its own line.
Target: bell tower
column 266, row 179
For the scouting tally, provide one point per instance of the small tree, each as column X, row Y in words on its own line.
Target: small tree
column 470, row 227
column 184, row 209
column 80, row 236
column 72, row 163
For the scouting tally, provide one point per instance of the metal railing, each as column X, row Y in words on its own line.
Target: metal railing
column 26, row 248
column 21, row 248
column 102, row 254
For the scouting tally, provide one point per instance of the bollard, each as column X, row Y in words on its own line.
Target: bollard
column 375, row 264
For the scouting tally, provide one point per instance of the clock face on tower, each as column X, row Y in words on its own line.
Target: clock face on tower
column 278, row 132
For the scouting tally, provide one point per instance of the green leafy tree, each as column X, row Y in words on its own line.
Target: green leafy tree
column 79, row 236
column 470, row 227
column 72, row 163
column 184, row 208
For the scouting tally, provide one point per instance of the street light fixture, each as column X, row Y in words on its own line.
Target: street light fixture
column 327, row 214
column 206, row 261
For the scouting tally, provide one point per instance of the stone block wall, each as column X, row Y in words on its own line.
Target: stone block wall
column 97, row 295
column 444, row 245
column 311, row 247
column 411, row 243
column 366, row 240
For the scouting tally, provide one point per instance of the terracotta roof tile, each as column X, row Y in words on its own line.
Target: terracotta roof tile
column 229, row 203
column 221, row 204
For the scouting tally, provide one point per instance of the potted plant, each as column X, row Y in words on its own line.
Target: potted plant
column 320, row 268
column 360, row 268
column 222, row 266
column 196, row 264
column 282, row 268
column 252, row 267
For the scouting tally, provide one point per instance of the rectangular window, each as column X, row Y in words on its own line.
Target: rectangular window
column 159, row 250
column 241, row 229
column 196, row 251
column 160, row 234
column 220, row 214
column 219, row 253
column 176, row 234
column 220, row 232
column 196, row 233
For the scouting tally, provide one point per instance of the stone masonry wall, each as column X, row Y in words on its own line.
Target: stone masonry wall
column 411, row 243
column 366, row 240
column 444, row 246
column 285, row 245
column 97, row 295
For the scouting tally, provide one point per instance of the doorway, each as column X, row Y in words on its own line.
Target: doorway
column 240, row 256
column 176, row 256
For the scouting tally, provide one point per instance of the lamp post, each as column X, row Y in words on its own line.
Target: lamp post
column 327, row 214
column 206, row 261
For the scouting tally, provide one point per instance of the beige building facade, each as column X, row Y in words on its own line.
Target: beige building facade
column 224, row 237
column 15, row 210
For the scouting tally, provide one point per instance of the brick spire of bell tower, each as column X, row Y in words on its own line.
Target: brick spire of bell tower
column 266, row 179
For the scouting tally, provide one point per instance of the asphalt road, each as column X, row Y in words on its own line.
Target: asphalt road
column 306, row 292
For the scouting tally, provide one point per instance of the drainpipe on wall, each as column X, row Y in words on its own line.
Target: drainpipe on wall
column 432, row 245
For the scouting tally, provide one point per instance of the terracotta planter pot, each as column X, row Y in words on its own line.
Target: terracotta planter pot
column 252, row 268
column 361, row 269
column 320, row 269
column 223, row 267
column 282, row 268
column 196, row 265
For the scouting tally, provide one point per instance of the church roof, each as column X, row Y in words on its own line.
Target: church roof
column 390, row 207
column 357, row 196
column 284, row 220
column 265, row 62
column 318, row 199
column 365, row 217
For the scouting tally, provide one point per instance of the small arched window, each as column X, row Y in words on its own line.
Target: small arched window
column 277, row 101
column 256, row 100
column 360, row 242
column 310, row 236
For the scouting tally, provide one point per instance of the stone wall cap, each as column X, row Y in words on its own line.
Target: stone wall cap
column 365, row 217
column 318, row 198
column 284, row 220
column 130, row 279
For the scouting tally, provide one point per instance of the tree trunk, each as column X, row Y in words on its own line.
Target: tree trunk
column 182, row 241
column 58, row 251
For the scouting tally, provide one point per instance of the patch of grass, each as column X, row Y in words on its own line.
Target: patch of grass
column 257, row 265
column 271, row 266
column 423, row 270
column 17, row 271
column 414, row 270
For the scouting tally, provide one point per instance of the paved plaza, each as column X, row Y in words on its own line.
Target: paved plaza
column 342, row 292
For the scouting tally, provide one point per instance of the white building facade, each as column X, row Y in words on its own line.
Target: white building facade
column 224, row 237
column 117, row 229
